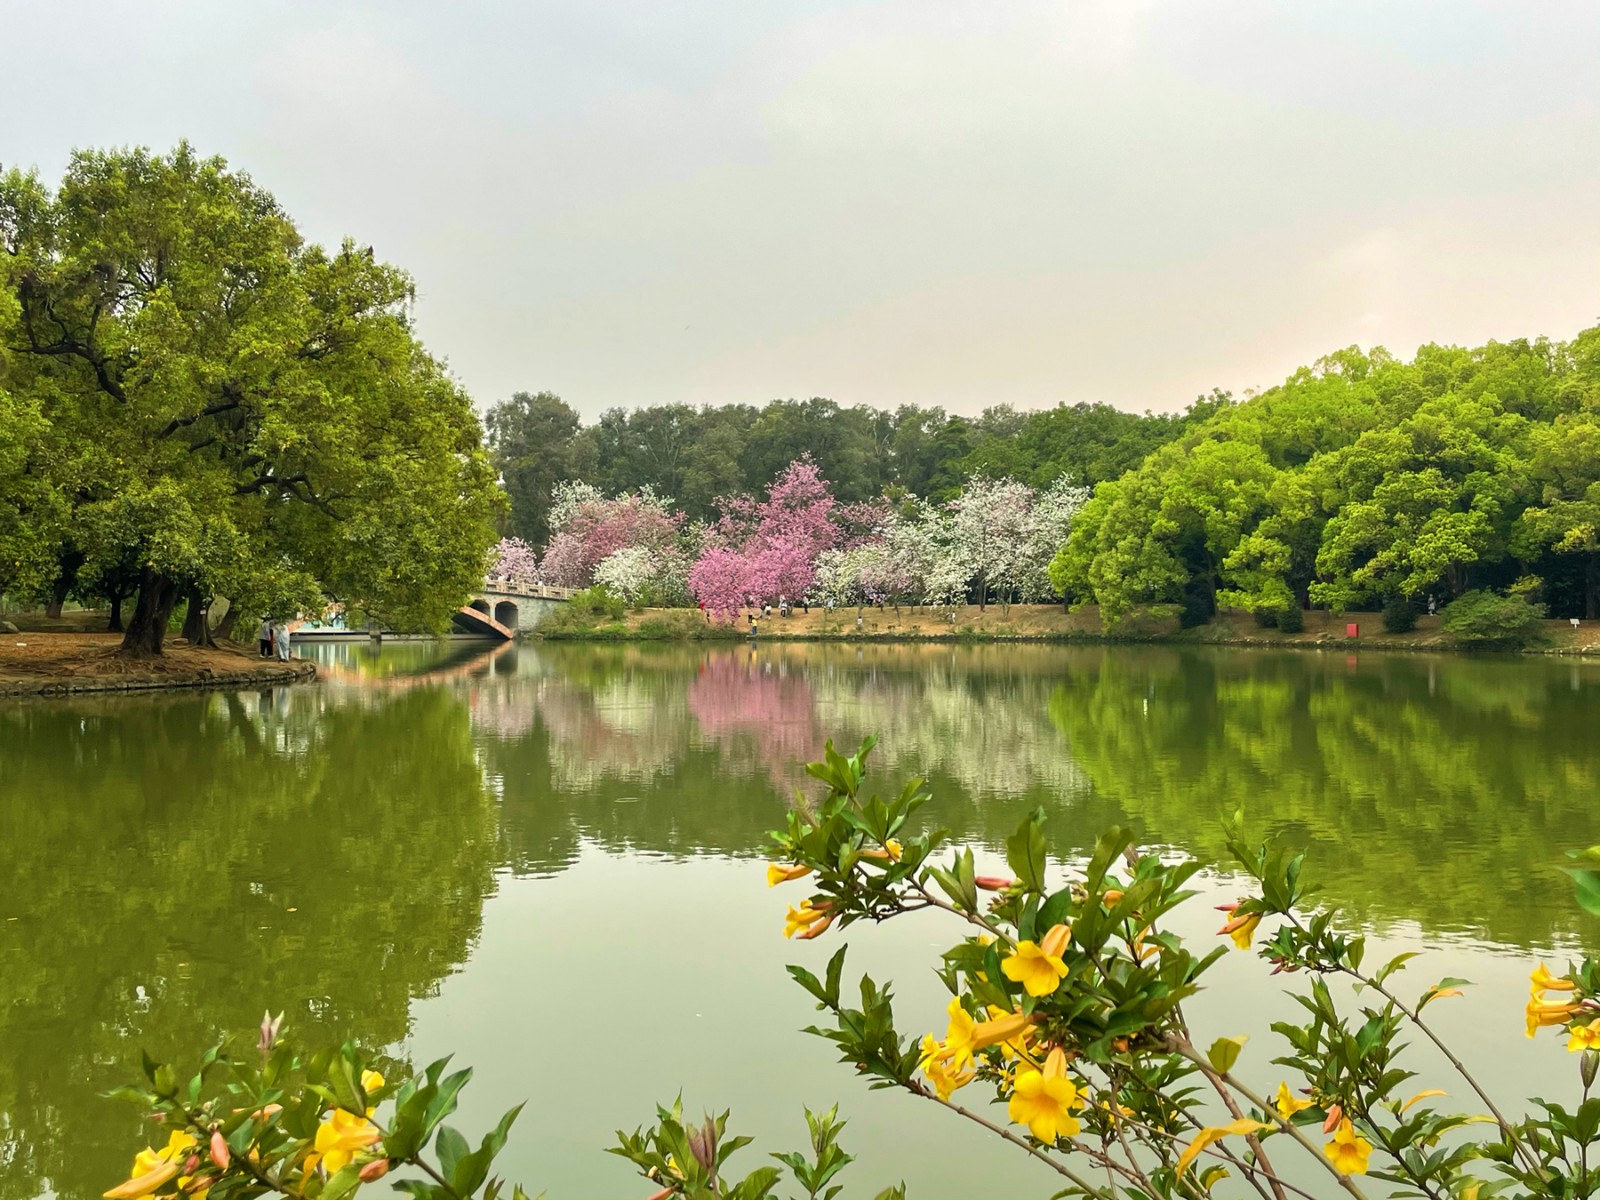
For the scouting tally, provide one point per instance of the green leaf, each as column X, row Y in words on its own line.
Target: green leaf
column 1224, row 1053
column 342, row 1184
column 1025, row 852
column 451, row 1148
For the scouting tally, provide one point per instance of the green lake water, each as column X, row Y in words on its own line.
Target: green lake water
column 548, row 860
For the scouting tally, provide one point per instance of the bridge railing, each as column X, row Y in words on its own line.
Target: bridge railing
column 516, row 587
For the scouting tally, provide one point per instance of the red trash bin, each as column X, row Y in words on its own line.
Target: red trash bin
column 1352, row 630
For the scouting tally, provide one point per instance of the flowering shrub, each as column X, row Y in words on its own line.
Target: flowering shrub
column 1065, row 1037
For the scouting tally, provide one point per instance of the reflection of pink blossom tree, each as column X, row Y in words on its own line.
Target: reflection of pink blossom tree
column 513, row 558
column 746, row 708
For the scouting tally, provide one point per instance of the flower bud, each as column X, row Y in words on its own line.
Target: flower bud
column 191, row 1164
column 816, row 928
column 1586, row 1068
column 374, row 1170
column 1335, row 1115
column 220, row 1153
column 1228, row 908
column 1111, row 897
column 994, row 883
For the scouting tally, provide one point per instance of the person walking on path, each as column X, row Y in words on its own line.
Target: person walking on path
column 264, row 637
column 280, row 639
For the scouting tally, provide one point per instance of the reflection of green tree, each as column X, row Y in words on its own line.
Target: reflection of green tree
column 1440, row 790
column 599, row 743
column 154, row 848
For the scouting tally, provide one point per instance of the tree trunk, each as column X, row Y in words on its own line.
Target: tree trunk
column 196, row 630
column 224, row 627
column 983, row 595
column 147, row 628
column 114, row 625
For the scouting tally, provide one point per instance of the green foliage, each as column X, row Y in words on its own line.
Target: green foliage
column 1361, row 479
column 597, row 601
column 1481, row 618
column 1399, row 615
column 1292, row 619
column 229, row 409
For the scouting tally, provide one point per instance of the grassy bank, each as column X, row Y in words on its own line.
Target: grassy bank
column 1031, row 623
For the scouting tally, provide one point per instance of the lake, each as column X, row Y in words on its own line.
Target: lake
column 547, row 859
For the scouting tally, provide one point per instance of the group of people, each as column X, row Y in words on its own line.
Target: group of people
column 273, row 636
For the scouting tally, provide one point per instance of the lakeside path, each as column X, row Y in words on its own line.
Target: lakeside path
column 52, row 664
column 1051, row 623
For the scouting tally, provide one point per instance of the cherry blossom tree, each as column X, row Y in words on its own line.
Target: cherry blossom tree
column 514, row 559
column 768, row 550
column 591, row 528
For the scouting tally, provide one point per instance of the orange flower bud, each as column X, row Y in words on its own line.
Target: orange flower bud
column 1055, row 941
column 816, row 928
column 661, row 1195
column 1335, row 1115
column 220, row 1154
column 1111, row 897
column 191, row 1164
column 374, row 1170
column 994, row 883
column 1228, row 907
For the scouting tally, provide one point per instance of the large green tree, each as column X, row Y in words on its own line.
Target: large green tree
column 247, row 414
column 534, row 441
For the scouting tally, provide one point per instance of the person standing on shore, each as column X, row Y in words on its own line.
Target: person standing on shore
column 264, row 637
column 280, row 638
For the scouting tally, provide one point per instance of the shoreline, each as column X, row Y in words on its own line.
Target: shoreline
column 1050, row 625
column 70, row 663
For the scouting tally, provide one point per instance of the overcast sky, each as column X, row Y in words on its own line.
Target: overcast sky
column 911, row 201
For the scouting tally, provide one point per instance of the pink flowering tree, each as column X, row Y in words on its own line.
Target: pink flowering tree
column 590, row 528
column 767, row 550
column 514, row 559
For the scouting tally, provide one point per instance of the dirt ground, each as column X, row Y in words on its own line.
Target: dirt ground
column 38, row 661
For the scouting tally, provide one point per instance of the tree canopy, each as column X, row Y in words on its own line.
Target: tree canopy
column 1362, row 480
column 209, row 404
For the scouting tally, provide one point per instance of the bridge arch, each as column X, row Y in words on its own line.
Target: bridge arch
column 506, row 613
column 482, row 606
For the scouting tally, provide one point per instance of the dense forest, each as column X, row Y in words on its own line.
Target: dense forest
column 698, row 455
column 1362, row 481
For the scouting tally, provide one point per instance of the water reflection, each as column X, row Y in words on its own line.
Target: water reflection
column 173, row 864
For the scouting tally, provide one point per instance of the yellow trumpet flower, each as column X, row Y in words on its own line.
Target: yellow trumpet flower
column 1585, row 1037
column 800, row 918
column 152, row 1167
column 1287, row 1103
column 1544, row 982
column 1541, row 1013
column 1044, row 1100
column 1038, row 967
column 1348, row 1152
column 782, row 873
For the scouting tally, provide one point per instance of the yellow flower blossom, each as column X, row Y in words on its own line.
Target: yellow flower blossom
column 800, row 918
column 1243, row 1127
column 1541, row 1013
column 889, row 852
column 339, row 1138
column 152, row 1168
column 1348, row 1151
column 1287, row 1103
column 1544, row 982
column 1039, row 972
column 966, row 1034
column 1585, row 1037
column 1242, row 929
column 782, row 873
column 1044, row 1100
column 941, row 1071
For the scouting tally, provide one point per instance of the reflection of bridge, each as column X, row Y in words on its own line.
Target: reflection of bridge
column 507, row 607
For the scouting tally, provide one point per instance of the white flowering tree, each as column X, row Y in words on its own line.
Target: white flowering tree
column 1045, row 532
column 988, row 529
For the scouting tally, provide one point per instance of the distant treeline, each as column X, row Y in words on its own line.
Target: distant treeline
column 696, row 455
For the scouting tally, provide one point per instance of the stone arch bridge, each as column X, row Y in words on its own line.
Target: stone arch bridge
column 506, row 607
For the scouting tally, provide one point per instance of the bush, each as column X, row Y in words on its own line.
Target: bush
column 1266, row 618
column 599, row 602
column 1481, row 618
column 1292, row 619
column 1399, row 615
